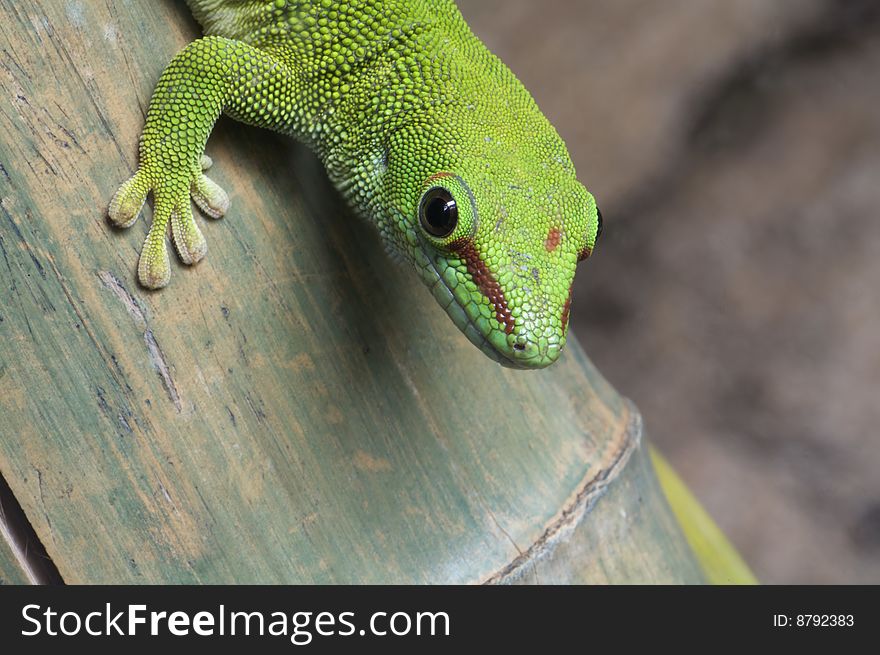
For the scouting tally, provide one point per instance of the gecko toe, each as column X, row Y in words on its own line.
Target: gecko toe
column 209, row 196
column 128, row 201
column 186, row 235
column 154, row 270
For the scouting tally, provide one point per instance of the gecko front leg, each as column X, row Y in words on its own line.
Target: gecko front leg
column 210, row 76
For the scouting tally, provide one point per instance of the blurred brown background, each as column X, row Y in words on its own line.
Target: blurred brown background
column 734, row 147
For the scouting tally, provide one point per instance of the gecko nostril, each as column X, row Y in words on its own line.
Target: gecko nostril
column 519, row 346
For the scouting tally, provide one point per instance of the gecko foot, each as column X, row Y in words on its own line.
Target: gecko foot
column 171, row 196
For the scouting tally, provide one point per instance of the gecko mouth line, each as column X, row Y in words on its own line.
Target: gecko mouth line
column 484, row 344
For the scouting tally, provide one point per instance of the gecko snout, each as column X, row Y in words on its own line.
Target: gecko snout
column 526, row 349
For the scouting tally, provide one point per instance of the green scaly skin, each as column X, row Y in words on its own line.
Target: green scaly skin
column 397, row 98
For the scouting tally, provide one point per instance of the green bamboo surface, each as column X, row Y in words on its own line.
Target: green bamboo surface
column 720, row 562
column 296, row 408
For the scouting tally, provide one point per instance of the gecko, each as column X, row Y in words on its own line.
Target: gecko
column 427, row 134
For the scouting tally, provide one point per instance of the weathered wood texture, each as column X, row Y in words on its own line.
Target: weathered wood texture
column 294, row 409
column 615, row 541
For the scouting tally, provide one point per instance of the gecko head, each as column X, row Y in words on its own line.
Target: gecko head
column 499, row 252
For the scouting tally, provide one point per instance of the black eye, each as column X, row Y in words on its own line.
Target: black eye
column 599, row 229
column 438, row 213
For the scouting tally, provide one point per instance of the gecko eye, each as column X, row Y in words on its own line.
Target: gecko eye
column 438, row 212
column 599, row 229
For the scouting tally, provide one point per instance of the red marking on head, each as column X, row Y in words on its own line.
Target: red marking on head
column 566, row 308
column 554, row 238
column 437, row 176
column 485, row 281
column 583, row 254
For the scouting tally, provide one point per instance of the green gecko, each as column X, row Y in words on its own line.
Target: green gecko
column 428, row 134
